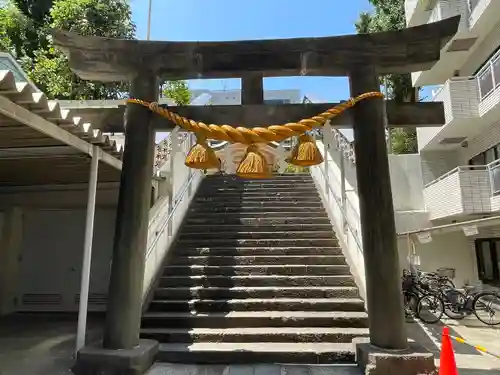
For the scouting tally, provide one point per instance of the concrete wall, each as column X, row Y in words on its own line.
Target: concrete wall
column 52, row 251
column 446, row 250
column 42, row 246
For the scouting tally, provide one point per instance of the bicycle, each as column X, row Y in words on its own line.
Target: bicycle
column 419, row 300
column 485, row 305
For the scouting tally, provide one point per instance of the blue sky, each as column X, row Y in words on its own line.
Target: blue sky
column 218, row 20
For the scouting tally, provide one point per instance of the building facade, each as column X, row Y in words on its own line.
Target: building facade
column 461, row 159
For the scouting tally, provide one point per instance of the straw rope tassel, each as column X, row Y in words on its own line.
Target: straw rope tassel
column 306, row 153
column 253, row 164
column 202, row 156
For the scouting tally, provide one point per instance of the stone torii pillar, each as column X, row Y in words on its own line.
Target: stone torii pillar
column 122, row 351
column 378, row 227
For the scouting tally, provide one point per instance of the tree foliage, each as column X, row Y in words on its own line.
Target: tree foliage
column 389, row 15
column 25, row 27
column 178, row 91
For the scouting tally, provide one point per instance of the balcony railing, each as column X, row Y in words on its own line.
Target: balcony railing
column 493, row 171
column 462, row 191
column 468, row 189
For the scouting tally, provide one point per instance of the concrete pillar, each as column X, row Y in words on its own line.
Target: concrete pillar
column 383, row 284
column 11, row 235
column 127, row 271
column 252, row 89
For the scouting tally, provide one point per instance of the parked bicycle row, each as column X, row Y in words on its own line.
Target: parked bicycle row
column 429, row 295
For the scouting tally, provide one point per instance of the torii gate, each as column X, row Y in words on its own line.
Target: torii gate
column 363, row 58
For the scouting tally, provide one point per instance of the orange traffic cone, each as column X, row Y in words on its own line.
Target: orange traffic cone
column 447, row 364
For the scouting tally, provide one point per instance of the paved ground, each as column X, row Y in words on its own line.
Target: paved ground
column 469, row 361
column 40, row 344
column 44, row 345
column 259, row 369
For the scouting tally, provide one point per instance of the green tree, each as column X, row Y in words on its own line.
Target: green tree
column 178, row 91
column 25, row 32
column 389, row 15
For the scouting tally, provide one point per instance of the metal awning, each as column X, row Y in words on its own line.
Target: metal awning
column 42, row 144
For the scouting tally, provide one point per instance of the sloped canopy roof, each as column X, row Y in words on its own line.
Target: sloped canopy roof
column 42, row 144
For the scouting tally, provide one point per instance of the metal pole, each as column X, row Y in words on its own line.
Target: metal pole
column 343, row 196
column 149, row 19
column 87, row 250
column 389, row 138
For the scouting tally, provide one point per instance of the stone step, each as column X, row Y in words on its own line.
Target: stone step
column 263, row 242
column 193, row 228
column 262, row 200
column 259, row 304
column 270, row 181
column 273, row 177
column 260, row 213
column 295, row 182
column 286, row 234
column 240, row 251
column 259, row 204
column 222, row 260
column 250, row 191
column 206, row 210
column 260, row 352
column 254, row 334
column 288, row 269
column 248, row 319
column 255, row 221
column 256, row 280
column 257, row 292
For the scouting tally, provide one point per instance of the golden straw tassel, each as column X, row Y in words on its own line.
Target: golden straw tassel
column 306, row 153
column 253, row 164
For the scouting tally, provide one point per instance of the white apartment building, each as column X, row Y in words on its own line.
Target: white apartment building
column 461, row 159
column 233, row 97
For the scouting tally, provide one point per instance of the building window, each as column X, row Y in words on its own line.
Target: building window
column 488, row 260
column 486, row 157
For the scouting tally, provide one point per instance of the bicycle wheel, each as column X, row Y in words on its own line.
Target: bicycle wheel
column 430, row 309
column 454, row 304
column 486, row 307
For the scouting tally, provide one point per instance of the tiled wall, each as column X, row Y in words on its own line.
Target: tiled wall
column 444, row 197
column 462, row 192
column 476, row 191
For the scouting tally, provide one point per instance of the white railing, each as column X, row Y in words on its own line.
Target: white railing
column 493, row 169
column 488, row 78
column 344, row 207
column 167, row 214
column 462, row 168
column 343, row 214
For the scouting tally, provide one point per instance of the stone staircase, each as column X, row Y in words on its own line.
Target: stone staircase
column 256, row 276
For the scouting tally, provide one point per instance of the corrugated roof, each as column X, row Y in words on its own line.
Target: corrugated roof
column 27, row 96
column 42, row 143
